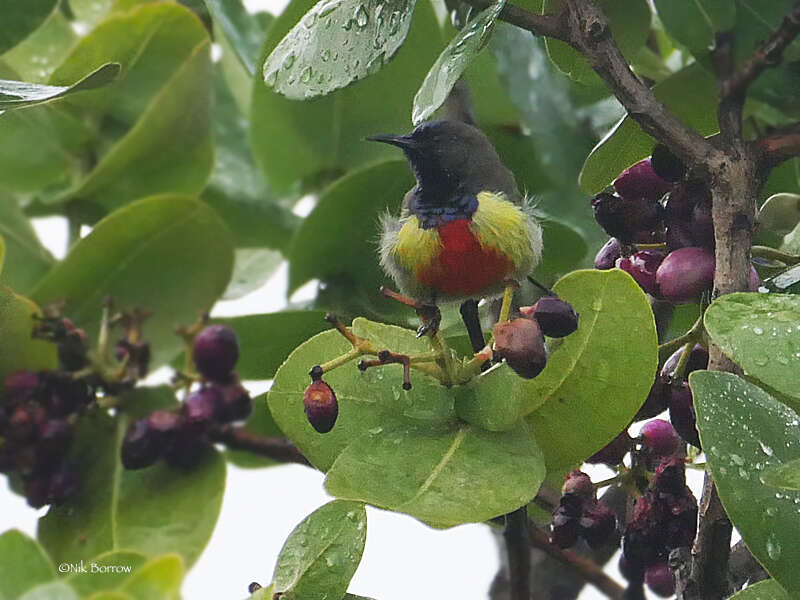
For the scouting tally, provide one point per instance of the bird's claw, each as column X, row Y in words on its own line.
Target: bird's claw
column 431, row 318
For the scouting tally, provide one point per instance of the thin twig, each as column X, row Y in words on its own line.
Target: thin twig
column 586, row 568
column 779, row 145
column 275, row 448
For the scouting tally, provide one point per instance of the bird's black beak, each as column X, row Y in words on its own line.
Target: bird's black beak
column 405, row 142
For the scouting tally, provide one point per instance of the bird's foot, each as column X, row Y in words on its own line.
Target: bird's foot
column 428, row 312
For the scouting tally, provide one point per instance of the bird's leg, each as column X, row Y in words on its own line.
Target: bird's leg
column 385, row 358
column 428, row 312
column 469, row 314
column 508, row 296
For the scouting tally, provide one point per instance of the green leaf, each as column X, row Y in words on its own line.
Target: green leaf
column 785, row 282
column 91, row 12
column 629, row 21
column 160, row 107
column 761, row 333
column 36, row 57
column 148, row 511
column 695, row 23
column 780, row 213
column 237, row 189
column 102, row 572
column 17, row 94
column 367, row 400
column 336, row 43
column 785, row 476
column 50, row 591
column 492, row 400
column 181, row 235
column 339, row 237
column 159, row 579
column 26, row 259
column 311, row 141
column 19, row 350
column 252, row 268
column 791, row 242
column 571, row 251
column 453, row 61
column 21, row 19
column 322, row 553
column 601, row 374
column 242, row 32
column 445, row 474
column 763, row 590
column 23, row 564
column 745, row 431
column 691, row 94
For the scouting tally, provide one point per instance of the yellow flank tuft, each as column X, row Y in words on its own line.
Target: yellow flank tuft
column 504, row 226
column 416, row 247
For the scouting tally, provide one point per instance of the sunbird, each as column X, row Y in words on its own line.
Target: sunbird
column 463, row 233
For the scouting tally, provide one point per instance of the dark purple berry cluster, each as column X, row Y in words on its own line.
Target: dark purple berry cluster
column 649, row 205
column 521, row 341
column 36, row 424
column 181, row 437
column 664, row 518
column 580, row 514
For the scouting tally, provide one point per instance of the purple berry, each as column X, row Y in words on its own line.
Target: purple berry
column 521, row 343
column 698, row 359
column 682, row 415
column 202, row 407
column 236, row 402
column 215, row 351
column 36, row 491
column 613, row 452
column 665, row 164
column 685, row 274
column 597, row 524
column 642, row 266
column 185, row 449
column 577, row 483
column 21, row 384
column 141, row 446
column 661, row 580
column 626, row 218
column 607, row 256
column 564, row 529
column 25, row 423
column 641, row 181
column 321, row 406
column 555, row 317
column 670, row 475
column 660, row 437
column 55, row 436
column 165, row 422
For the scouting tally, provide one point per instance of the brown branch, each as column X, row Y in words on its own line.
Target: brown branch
column 712, row 545
column 275, row 448
column 779, row 145
column 768, row 54
column 743, row 567
column 586, row 568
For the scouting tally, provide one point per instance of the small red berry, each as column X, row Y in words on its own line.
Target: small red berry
column 660, row 437
column 521, row 343
column 321, row 406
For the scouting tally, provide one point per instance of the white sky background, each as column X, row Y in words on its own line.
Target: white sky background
column 403, row 558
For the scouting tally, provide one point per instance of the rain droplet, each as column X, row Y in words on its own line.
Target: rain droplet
column 757, row 330
column 305, row 76
column 272, row 77
column 325, row 55
column 328, row 8
column 361, row 16
column 766, row 449
column 773, row 547
column 310, row 20
column 288, row 61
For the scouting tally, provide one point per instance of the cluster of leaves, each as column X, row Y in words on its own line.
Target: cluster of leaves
column 114, row 115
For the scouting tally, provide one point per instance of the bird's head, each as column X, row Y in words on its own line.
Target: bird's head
column 451, row 158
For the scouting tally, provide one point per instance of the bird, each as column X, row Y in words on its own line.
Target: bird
column 464, row 231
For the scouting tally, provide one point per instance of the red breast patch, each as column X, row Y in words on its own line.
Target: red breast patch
column 464, row 267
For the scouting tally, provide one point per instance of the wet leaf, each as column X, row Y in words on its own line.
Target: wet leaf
column 449, row 474
column 335, row 43
column 242, row 32
column 780, row 213
column 17, row 94
column 322, row 553
column 695, row 24
column 763, row 590
column 745, row 432
column 160, row 578
column 761, row 332
column 785, row 476
column 601, row 374
column 453, row 61
column 21, row 19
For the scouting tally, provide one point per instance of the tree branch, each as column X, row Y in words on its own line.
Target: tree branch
column 584, row 567
column 278, row 449
column 779, row 145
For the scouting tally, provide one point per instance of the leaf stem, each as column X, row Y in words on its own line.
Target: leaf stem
column 773, row 254
column 694, row 335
